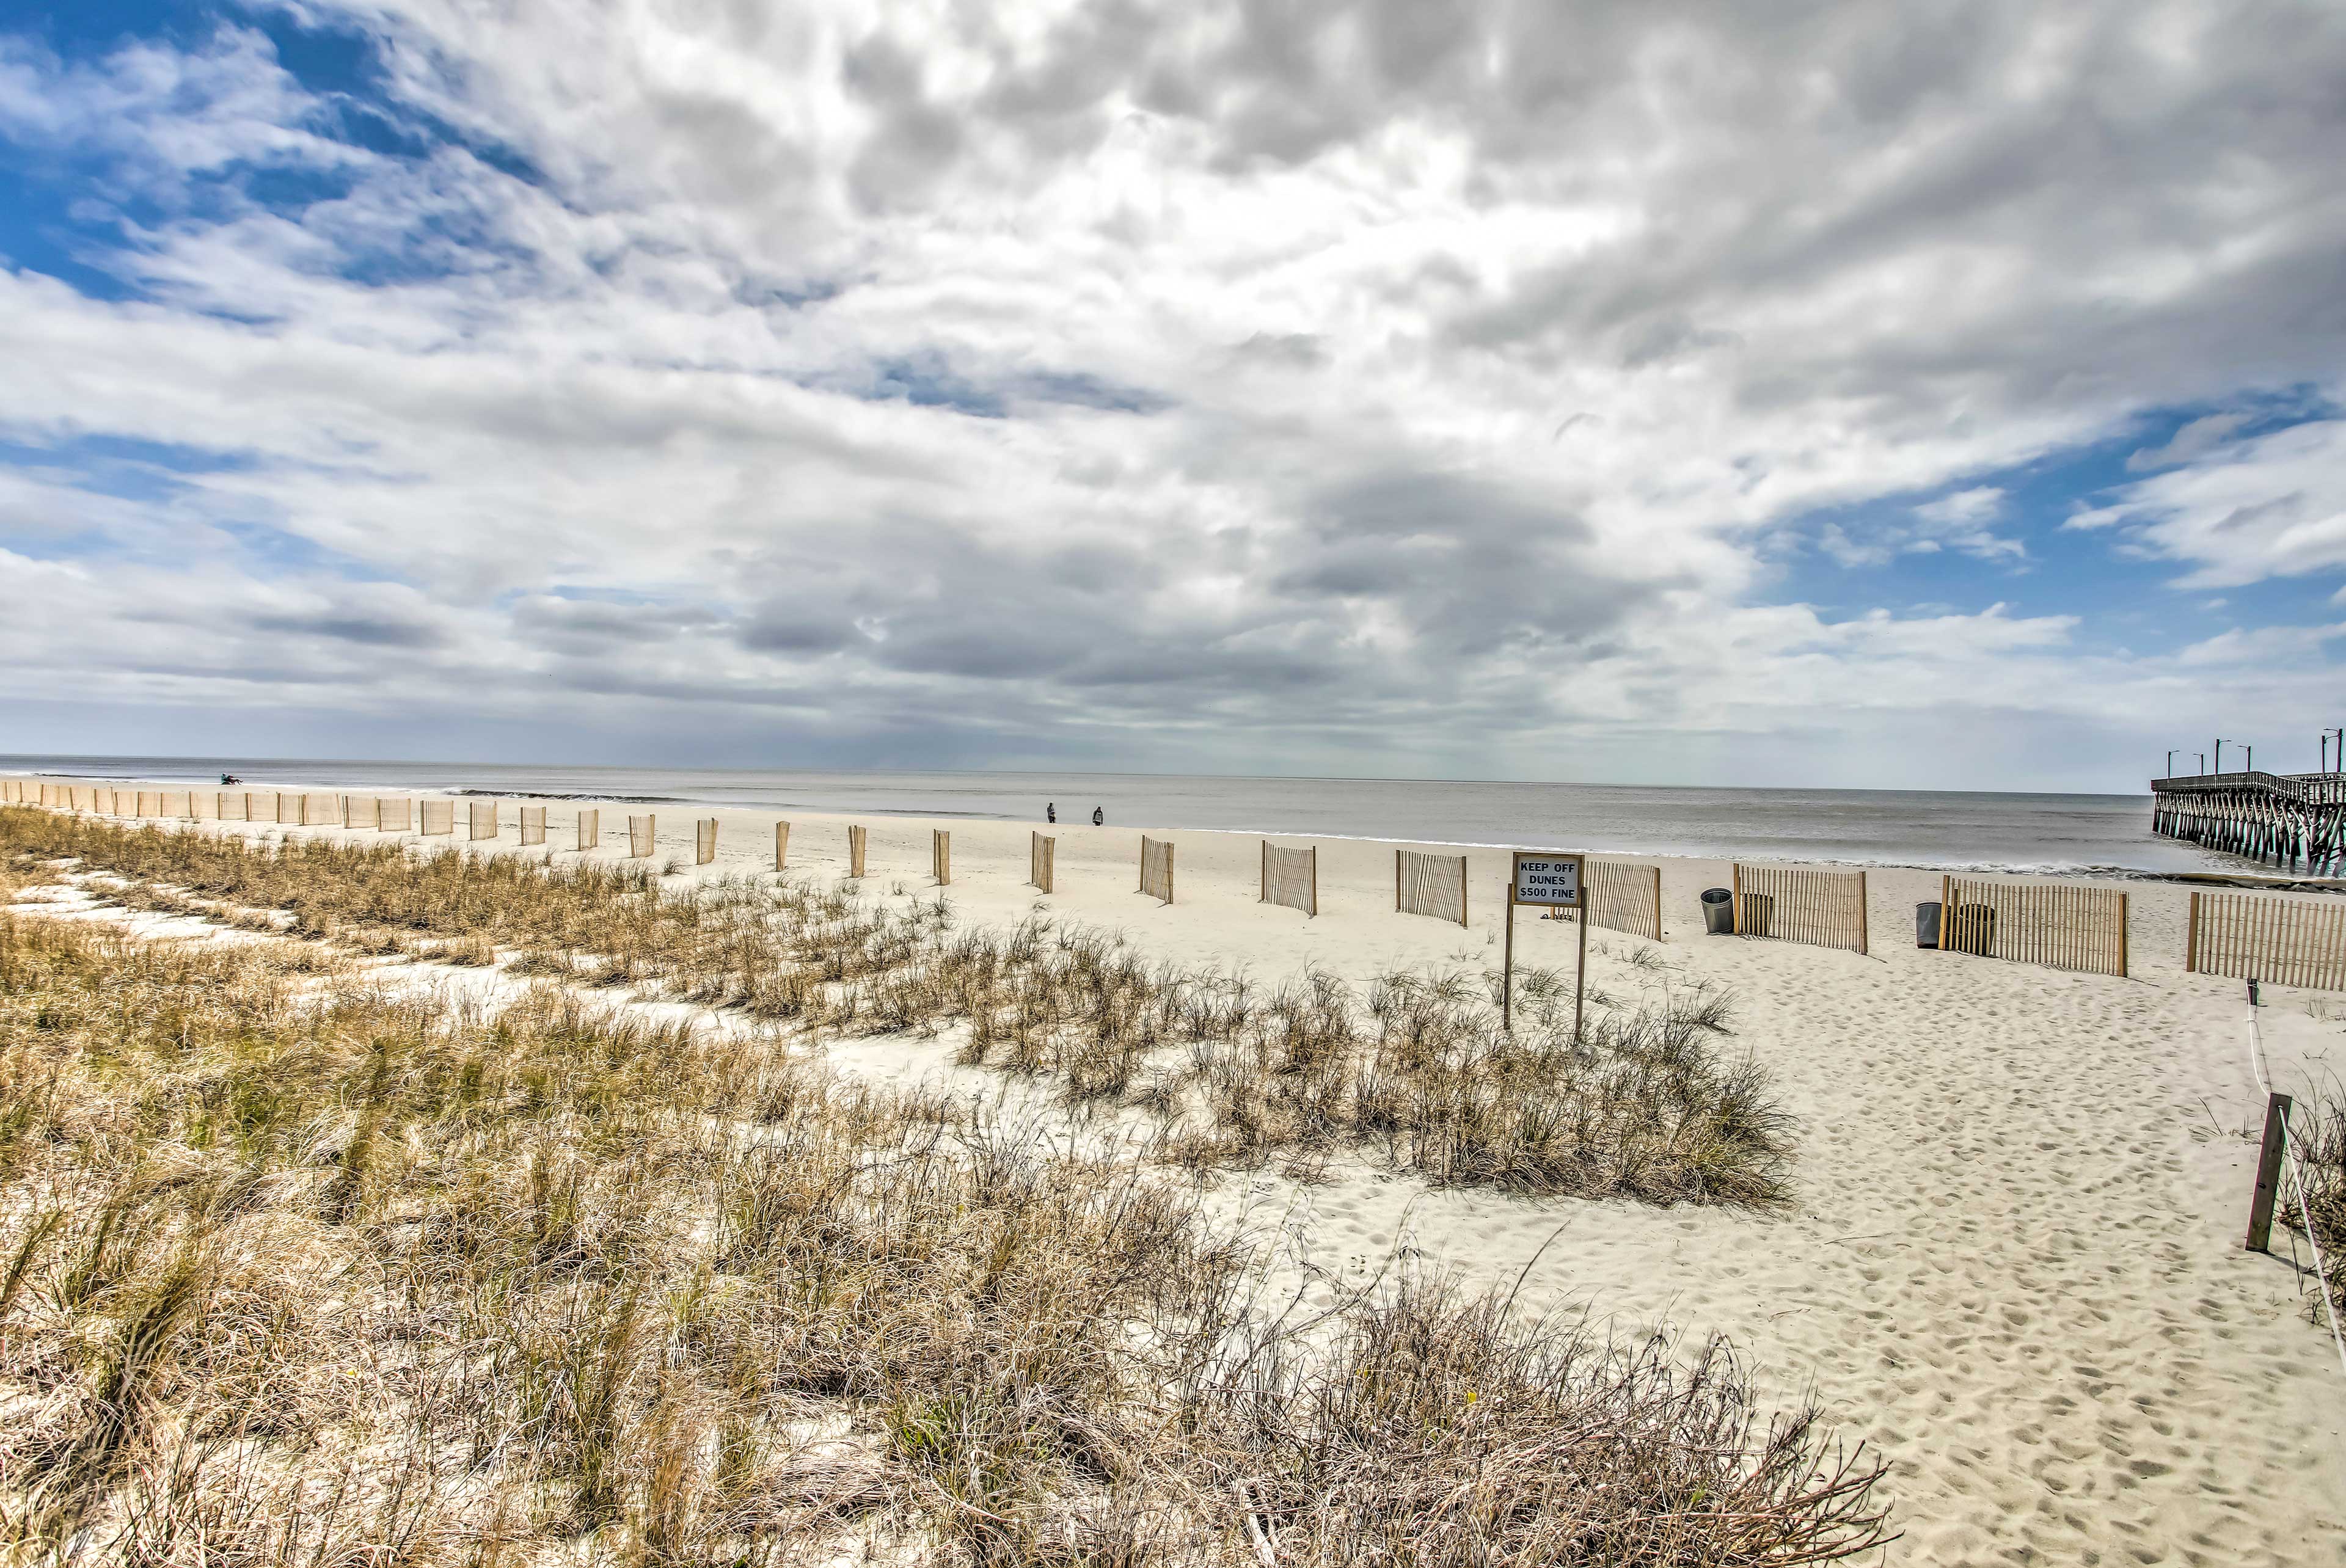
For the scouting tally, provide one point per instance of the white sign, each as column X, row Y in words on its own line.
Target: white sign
column 1553, row 879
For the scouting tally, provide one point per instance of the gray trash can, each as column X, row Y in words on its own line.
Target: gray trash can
column 1719, row 911
column 1926, row 925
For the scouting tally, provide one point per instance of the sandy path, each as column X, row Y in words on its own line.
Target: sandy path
column 2014, row 1260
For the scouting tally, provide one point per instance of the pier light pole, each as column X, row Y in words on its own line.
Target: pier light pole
column 2171, row 763
column 2203, row 760
column 2219, row 754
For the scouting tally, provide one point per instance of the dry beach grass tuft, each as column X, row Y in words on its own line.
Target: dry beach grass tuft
column 1230, row 1073
column 297, row 1265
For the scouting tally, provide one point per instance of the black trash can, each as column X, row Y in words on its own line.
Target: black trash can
column 1926, row 925
column 1719, row 911
column 1970, row 928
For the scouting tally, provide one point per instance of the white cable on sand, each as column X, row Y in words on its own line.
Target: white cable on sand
column 2297, row 1180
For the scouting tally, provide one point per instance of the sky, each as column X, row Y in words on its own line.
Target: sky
column 1915, row 396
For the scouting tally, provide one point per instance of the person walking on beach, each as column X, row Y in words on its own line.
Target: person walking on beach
column 1051, row 812
column 1099, row 818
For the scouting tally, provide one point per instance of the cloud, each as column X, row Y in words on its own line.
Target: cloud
column 1336, row 384
column 2271, row 506
column 2192, row 440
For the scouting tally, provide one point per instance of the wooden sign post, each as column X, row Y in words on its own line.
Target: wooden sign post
column 1548, row 881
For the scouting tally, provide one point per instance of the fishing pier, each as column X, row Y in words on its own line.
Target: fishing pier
column 2296, row 821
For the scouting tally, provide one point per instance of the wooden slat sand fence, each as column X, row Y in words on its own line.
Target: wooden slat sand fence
column 1156, row 868
column 358, row 811
column 1625, row 897
column 941, row 855
column 856, row 838
column 481, row 817
column 1823, row 909
column 179, row 803
column 1429, row 885
column 260, row 806
column 2060, row 925
column 436, row 816
column 205, row 804
column 533, row 824
column 392, row 813
column 150, row 802
column 1040, row 852
column 642, row 833
column 2267, row 937
column 1291, row 878
column 590, row 827
column 782, row 845
column 704, row 840
column 85, row 797
column 321, row 810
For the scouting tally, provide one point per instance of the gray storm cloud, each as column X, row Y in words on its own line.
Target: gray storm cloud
column 1296, row 387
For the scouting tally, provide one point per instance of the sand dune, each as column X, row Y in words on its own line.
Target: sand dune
column 2014, row 1260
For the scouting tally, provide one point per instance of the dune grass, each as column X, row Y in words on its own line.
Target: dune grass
column 2318, row 1127
column 1415, row 1068
column 300, row 1267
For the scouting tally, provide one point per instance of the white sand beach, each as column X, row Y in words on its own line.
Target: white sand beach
column 2014, row 1262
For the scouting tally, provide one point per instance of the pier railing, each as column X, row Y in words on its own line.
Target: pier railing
column 2311, row 788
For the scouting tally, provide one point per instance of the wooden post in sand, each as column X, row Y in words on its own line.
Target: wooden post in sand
column 781, row 844
column 2260, row 1206
column 855, row 841
column 941, row 855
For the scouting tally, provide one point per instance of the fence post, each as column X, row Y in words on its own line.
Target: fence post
column 2191, row 944
column 781, row 844
column 2260, row 1206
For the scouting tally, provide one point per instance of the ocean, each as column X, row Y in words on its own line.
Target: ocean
column 1937, row 829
